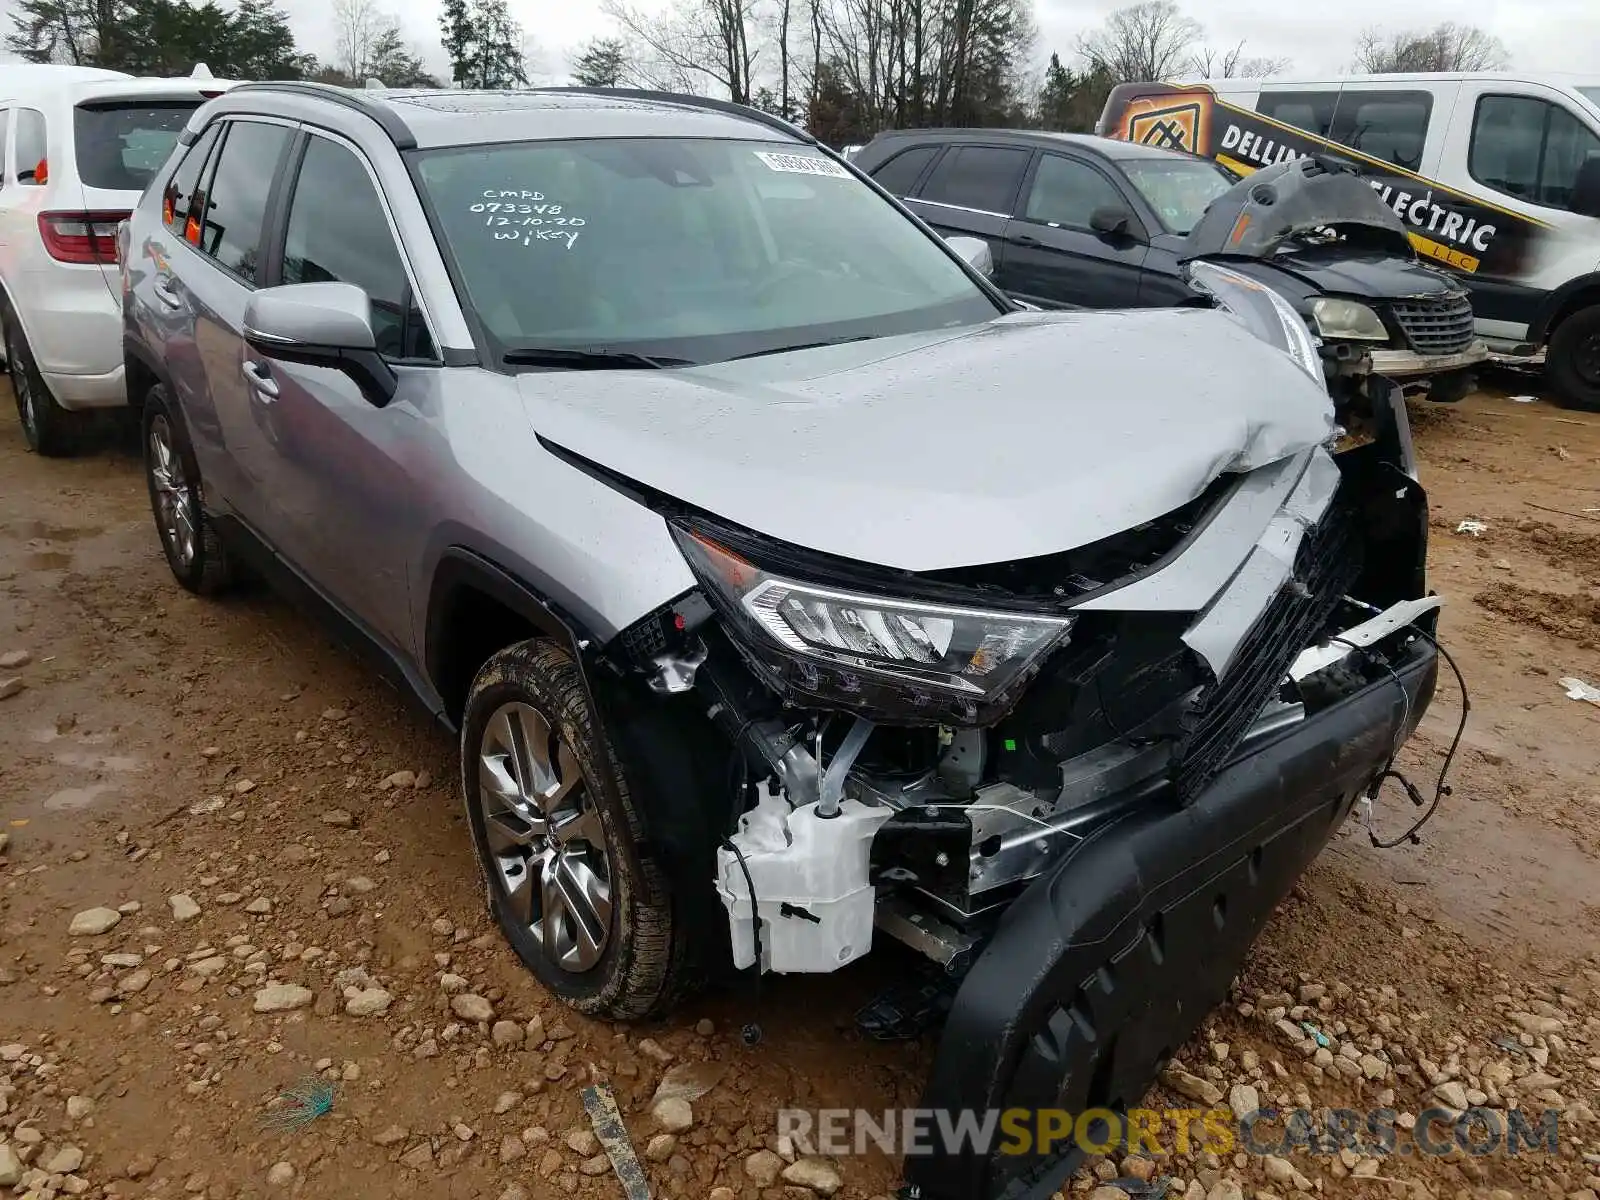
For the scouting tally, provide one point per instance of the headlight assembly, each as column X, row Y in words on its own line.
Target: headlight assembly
column 1261, row 310
column 904, row 658
column 1347, row 319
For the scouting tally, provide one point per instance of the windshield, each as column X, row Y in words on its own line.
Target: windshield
column 1177, row 188
column 689, row 250
column 122, row 143
column 1591, row 94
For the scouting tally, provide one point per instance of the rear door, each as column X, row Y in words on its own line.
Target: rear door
column 214, row 271
column 1054, row 258
column 972, row 192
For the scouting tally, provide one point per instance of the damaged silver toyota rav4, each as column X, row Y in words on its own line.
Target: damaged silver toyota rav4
column 790, row 588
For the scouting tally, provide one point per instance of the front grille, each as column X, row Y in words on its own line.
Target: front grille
column 1327, row 564
column 1436, row 326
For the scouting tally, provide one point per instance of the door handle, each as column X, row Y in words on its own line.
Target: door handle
column 1027, row 239
column 164, row 292
column 259, row 378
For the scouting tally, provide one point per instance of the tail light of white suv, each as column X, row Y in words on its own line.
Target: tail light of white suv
column 81, row 237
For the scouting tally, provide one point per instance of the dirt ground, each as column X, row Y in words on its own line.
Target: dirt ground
column 224, row 752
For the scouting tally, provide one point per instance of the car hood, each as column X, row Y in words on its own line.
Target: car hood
column 1032, row 434
column 1375, row 276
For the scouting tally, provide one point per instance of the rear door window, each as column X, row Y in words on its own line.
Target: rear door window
column 121, row 144
column 900, row 174
column 177, row 199
column 1389, row 126
column 985, row 178
column 236, row 201
column 5, row 129
column 31, row 147
column 1311, row 111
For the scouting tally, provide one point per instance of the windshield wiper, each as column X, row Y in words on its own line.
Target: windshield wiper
column 838, row 341
column 579, row 359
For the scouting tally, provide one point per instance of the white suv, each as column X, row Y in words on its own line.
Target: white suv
column 77, row 146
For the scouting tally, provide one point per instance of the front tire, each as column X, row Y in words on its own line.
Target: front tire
column 559, row 839
column 1572, row 360
column 49, row 429
column 188, row 536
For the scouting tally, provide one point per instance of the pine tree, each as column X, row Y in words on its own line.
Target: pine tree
column 603, row 63
column 455, row 24
column 483, row 43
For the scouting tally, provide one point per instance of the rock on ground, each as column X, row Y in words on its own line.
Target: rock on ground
column 282, row 997
column 818, row 1174
column 471, row 1007
column 93, row 921
column 183, row 907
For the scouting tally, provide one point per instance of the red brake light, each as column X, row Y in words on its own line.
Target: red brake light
column 81, row 237
column 41, row 172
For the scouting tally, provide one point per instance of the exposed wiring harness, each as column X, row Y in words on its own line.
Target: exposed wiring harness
column 1441, row 787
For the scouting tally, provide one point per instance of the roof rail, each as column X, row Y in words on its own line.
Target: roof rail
column 399, row 132
column 728, row 107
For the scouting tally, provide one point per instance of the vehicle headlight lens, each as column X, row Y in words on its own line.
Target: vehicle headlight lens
column 1347, row 319
column 970, row 653
column 1261, row 310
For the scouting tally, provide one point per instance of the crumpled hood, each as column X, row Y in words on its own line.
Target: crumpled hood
column 1364, row 276
column 1266, row 208
column 1033, row 434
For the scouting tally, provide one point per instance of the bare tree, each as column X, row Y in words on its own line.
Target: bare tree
column 1446, row 47
column 1233, row 64
column 358, row 27
column 692, row 42
column 1143, row 42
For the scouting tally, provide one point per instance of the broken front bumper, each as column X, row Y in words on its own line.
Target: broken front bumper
column 1405, row 364
column 1105, row 966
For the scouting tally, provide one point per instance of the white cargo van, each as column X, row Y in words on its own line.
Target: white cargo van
column 1497, row 176
column 77, row 146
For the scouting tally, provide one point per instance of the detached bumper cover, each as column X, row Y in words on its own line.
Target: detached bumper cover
column 1102, row 969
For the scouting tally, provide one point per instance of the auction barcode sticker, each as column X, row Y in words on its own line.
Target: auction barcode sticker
column 802, row 164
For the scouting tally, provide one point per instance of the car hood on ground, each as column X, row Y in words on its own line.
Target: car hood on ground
column 1033, row 434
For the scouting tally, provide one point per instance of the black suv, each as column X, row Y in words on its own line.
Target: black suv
column 1076, row 221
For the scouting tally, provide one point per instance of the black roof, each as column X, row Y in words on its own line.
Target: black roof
column 1040, row 138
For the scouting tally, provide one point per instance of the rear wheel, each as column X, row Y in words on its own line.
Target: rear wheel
column 1572, row 360
column 190, row 541
column 49, row 429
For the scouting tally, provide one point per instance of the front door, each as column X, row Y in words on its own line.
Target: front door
column 337, row 464
column 1054, row 258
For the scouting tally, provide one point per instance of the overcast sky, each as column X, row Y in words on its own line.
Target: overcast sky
column 1551, row 35
column 1554, row 35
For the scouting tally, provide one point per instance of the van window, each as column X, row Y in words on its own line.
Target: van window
column 1389, row 126
column 1529, row 148
column 900, row 174
column 981, row 177
column 31, row 146
column 121, row 144
column 237, row 202
column 5, row 128
column 1311, row 111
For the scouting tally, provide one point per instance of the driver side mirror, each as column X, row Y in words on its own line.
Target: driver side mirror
column 321, row 325
column 1110, row 221
column 975, row 253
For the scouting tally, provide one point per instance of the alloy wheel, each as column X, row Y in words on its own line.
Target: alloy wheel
column 173, row 495
column 547, row 847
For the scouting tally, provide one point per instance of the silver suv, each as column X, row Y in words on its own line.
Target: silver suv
column 787, row 584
